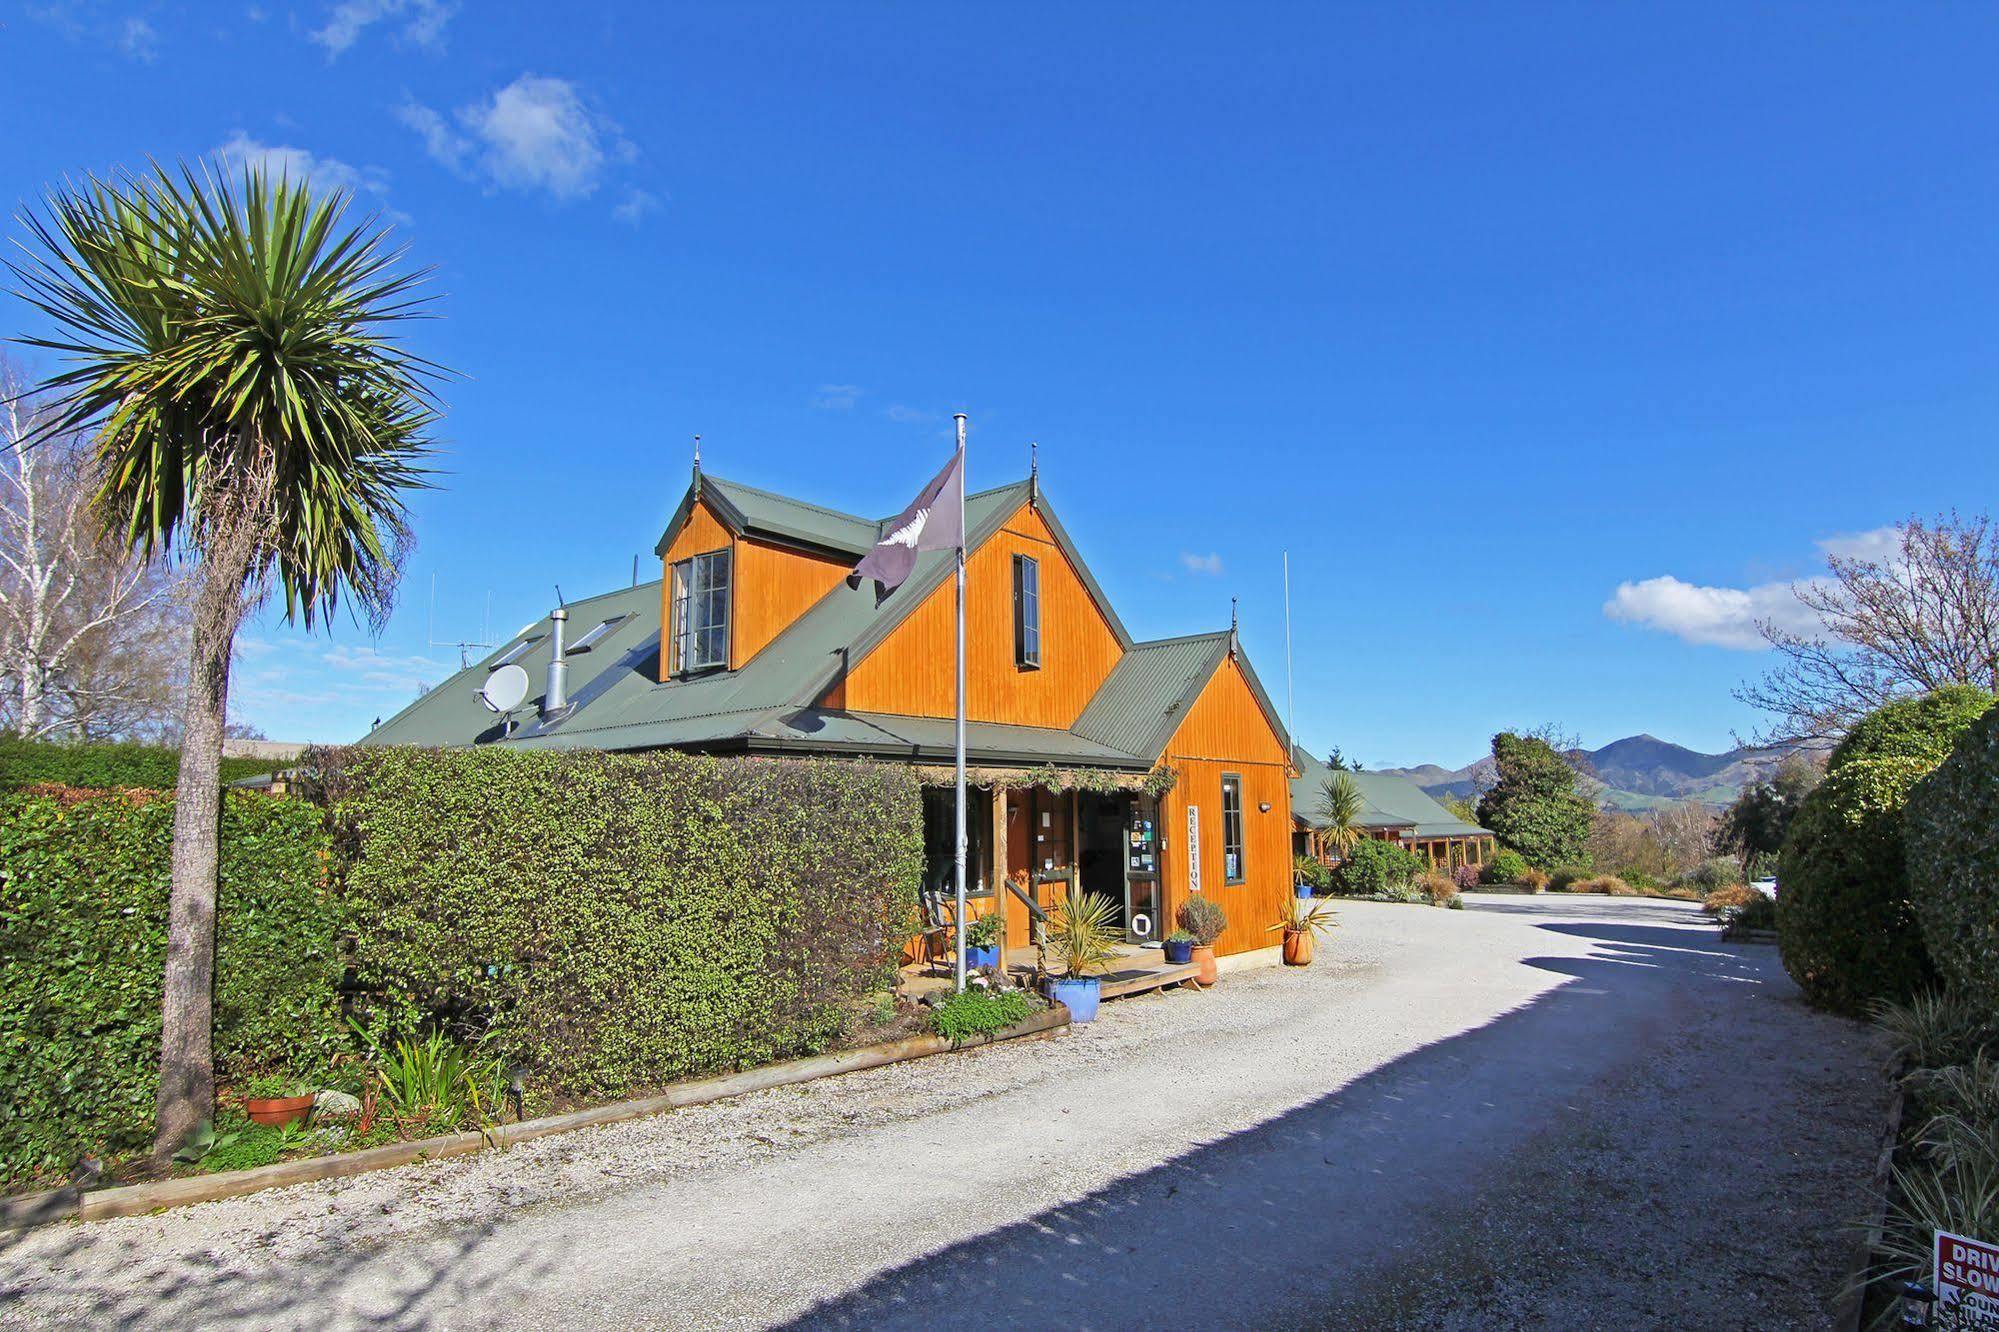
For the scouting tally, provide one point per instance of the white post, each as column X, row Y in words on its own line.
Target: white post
column 959, row 866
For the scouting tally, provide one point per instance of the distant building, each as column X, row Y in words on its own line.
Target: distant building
column 1395, row 810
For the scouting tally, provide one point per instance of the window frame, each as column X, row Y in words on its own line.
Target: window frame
column 595, row 634
column 527, row 644
column 1232, row 787
column 1026, row 596
column 683, row 590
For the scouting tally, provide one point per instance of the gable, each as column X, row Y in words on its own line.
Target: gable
column 912, row 671
column 1228, row 723
column 770, row 585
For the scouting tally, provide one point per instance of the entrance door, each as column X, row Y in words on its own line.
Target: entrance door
column 1145, row 899
column 1100, row 862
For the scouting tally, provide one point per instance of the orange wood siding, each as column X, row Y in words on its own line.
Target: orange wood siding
column 704, row 532
column 1226, row 732
column 912, row 672
column 772, row 587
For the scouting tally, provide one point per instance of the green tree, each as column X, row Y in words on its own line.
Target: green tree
column 1340, row 808
column 230, row 348
column 1756, row 824
column 1534, row 807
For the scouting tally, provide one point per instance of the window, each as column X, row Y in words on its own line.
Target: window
column 1231, row 828
column 595, row 635
column 701, row 612
column 516, row 652
column 1026, row 612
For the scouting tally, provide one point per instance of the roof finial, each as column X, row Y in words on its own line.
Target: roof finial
column 1234, row 642
column 697, row 466
column 1033, row 471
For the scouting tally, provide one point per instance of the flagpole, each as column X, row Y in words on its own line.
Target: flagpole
column 960, row 852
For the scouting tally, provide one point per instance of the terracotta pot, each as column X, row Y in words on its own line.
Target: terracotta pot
column 277, row 1111
column 1204, row 965
column 1298, row 948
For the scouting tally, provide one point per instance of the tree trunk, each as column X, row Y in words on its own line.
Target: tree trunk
column 187, row 1056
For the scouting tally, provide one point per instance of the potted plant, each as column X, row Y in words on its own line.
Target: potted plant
column 982, row 940
column 1179, row 947
column 1203, row 917
column 1302, row 918
column 1083, row 937
column 276, row 1100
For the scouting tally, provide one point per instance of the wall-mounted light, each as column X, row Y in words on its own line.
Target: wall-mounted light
column 1263, row 807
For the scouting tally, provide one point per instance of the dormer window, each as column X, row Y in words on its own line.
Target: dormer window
column 1026, row 612
column 701, row 613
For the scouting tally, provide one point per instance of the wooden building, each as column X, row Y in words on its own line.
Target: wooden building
column 1145, row 771
column 1394, row 809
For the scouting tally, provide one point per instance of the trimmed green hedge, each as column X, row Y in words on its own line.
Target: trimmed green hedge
column 1845, row 924
column 620, row 921
column 83, row 909
column 1508, row 866
column 1375, row 866
column 106, row 767
column 1922, row 728
column 1953, row 831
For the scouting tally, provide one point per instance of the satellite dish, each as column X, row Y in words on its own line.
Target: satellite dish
column 504, row 688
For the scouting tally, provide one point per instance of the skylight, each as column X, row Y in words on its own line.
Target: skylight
column 596, row 634
column 517, row 651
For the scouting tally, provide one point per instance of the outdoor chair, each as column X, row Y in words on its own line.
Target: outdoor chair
column 936, row 929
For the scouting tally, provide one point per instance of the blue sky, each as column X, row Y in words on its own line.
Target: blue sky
column 1550, row 341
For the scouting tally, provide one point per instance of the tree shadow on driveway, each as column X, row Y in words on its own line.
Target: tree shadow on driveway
column 1264, row 1227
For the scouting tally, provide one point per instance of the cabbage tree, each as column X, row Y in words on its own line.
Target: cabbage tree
column 228, row 344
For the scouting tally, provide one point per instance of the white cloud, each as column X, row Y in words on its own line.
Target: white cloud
column 137, row 40
column 911, row 415
column 534, row 134
column 636, row 205
column 421, row 22
column 240, row 152
column 836, row 397
column 298, row 687
column 1716, row 616
column 1211, row 563
column 1882, row 545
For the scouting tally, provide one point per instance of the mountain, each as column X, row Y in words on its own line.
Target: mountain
column 1637, row 772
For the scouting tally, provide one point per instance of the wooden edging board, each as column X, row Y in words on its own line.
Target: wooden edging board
column 137, row 1199
column 1853, row 1295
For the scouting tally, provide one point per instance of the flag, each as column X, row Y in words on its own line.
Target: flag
column 934, row 520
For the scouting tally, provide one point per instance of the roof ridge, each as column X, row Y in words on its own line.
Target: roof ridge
column 1180, row 638
column 790, row 499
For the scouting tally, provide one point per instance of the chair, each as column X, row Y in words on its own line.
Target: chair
column 935, row 926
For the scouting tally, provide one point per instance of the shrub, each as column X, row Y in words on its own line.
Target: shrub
column 1564, row 878
column 1639, row 880
column 1953, row 841
column 1533, row 881
column 1466, row 877
column 1938, row 1028
column 1375, row 866
column 1439, row 888
column 620, row 921
column 1844, row 922
column 83, row 914
column 1921, row 728
column 1202, row 917
column 1712, row 874
column 1314, row 874
column 971, row 1012
column 1608, row 885
column 1508, row 866
column 105, row 767
column 1728, row 897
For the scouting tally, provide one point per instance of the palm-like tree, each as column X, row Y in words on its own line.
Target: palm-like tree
column 229, row 345
column 1340, row 808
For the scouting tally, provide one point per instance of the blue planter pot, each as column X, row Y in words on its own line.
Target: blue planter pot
column 1081, row 996
column 1179, row 954
column 1304, row 890
column 981, row 957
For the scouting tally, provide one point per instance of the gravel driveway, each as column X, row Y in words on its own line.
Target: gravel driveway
column 1539, row 1112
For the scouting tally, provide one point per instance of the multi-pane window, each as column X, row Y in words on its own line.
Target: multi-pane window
column 701, row 612
column 1231, row 828
column 1026, row 611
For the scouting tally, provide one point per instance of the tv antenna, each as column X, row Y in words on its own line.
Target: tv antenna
column 463, row 645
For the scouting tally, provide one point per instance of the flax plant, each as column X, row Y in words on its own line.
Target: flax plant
column 228, row 345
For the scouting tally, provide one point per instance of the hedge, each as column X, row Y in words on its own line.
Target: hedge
column 1375, row 866
column 1953, row 831
column 1508, row 866
column 620, row 921
column 1845, row 925
column 1922, row 728
column 83, row 907
column 106, row 767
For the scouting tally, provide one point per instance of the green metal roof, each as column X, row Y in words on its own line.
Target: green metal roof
column 1390, row 802
column 748, row 510
column 619, row 703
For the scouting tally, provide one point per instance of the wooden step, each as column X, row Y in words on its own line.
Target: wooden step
column 1137, row 980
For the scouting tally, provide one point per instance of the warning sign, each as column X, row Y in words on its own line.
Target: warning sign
column 1967, row 1283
